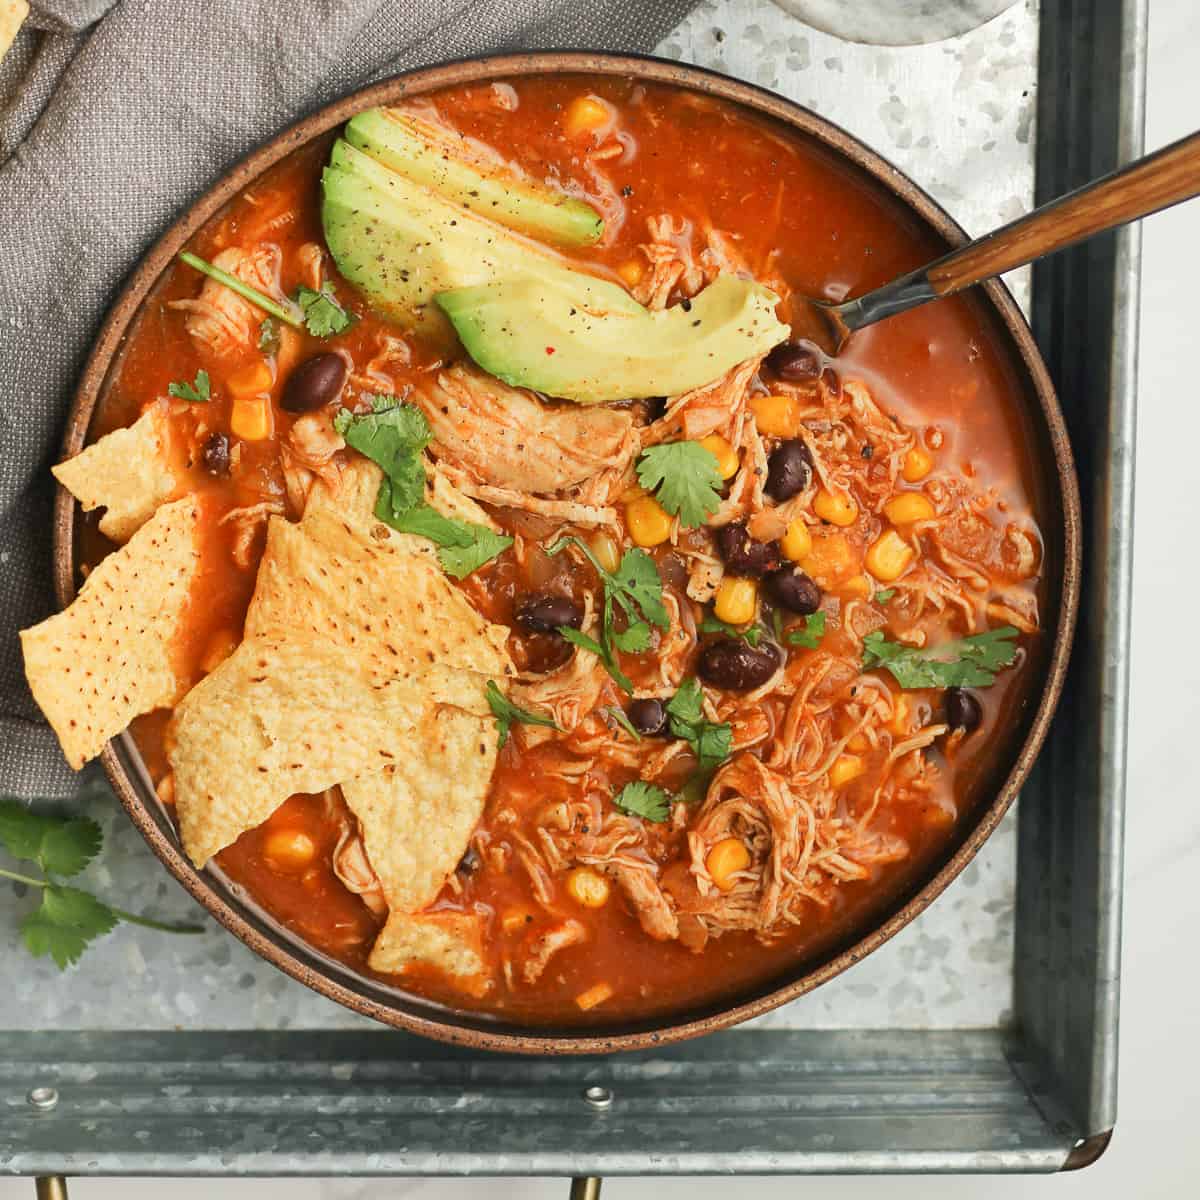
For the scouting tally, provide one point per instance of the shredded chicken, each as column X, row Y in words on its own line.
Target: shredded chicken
column 248, row 520
column 506, row 438
column 307, row 454
column 351, row 866
column 546, row 945
column 219, row 319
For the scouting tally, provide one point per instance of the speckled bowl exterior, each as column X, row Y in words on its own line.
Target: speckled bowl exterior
column 266, row 937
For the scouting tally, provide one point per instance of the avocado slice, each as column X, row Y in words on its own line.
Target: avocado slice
column 430, row 155
column 554, row 340
column 401, row 243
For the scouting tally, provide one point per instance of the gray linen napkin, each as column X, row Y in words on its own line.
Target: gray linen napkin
column 113, row 117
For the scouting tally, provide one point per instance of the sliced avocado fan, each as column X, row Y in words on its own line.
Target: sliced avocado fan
column 462, row 174
column 553, row 340
column 402, row 243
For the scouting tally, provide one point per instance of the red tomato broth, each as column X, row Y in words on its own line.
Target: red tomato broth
column 825, row 230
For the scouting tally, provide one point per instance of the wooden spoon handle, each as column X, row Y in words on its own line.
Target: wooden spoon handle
column 1152, row 183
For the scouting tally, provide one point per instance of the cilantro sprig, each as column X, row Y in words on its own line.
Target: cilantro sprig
column 317, row 311
column 394, row 436
column 810, row 636
column 68, row 919
column 634, row 589
column 621, row 717
column 323, row 315
column 646, row 800
column 686, row 478
column 268, row 336
column 751, row 634
column 199, row 391
column 508, row 714
column 966, row 662
column 711, row 741
column 884, row 595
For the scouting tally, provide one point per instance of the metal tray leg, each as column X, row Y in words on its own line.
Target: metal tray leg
column 51, row 1187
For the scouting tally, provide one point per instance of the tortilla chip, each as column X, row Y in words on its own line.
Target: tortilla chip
column 447, row 941
column 109, row 656
column 127, row 471
column 417, row 817
column 12, row 17
column 381, row 594
column 291, row 714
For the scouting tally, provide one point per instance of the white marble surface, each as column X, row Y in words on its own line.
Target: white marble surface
column 1152, row 1154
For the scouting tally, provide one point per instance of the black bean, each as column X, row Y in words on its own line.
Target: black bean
column 795, row 591
column 656, row 408
column 215, row 454
column 648, row 716
column 789, row 470
column 736, row 666
column 315, row 383
column 544, row 612
column 795, row 361
column 743, row 555
column 963, row 710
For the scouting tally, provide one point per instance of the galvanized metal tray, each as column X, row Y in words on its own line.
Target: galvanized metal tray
column 983, row 1038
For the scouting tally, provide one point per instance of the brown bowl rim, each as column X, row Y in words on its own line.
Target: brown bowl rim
column 532, row 1040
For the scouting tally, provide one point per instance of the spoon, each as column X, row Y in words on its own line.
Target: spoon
column 1146, row 186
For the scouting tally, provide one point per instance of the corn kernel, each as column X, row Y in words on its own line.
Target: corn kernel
column 605, row 550
column 250, row 418
column 586, row 114
column 737, row 600
column 846, row 767
column 649, row 523
column 900, row 714
column 776, row 416
column 289, row 851
column 631, row 272
column 859, row 743
column 797, row 541
column 831, row 559
column 889, row 556
column 918, row 462
column 908, row 507
column 251, row 379
column 725, row 859
column 587, row 887
column 858, row 586
column 835, row 507
column 597, row 994
column 726, row 456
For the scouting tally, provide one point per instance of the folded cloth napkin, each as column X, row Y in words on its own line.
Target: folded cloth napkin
column 113, row 118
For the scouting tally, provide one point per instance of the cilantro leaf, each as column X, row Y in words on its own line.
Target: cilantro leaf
column 884, row 595
column 506, row 713
column 644, row 800
column 686, row 478
column 463, row 547
column 70, row 846
column 810, row 636
column 634, row 639
column 198, row 391
column 965, row 662
column 288, row 315
column 59, row 845
column 484, row 544
column 22, row 829
column 395, row 435
column 323, row 315
column 602, row 651
column 711, row 742
column 619, row 715
column 752, row 634
column 66, row 922
column 634, row 588
column 268, row 336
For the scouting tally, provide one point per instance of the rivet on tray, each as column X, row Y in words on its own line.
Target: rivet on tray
column 598, row 1097
column 44, row 1098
